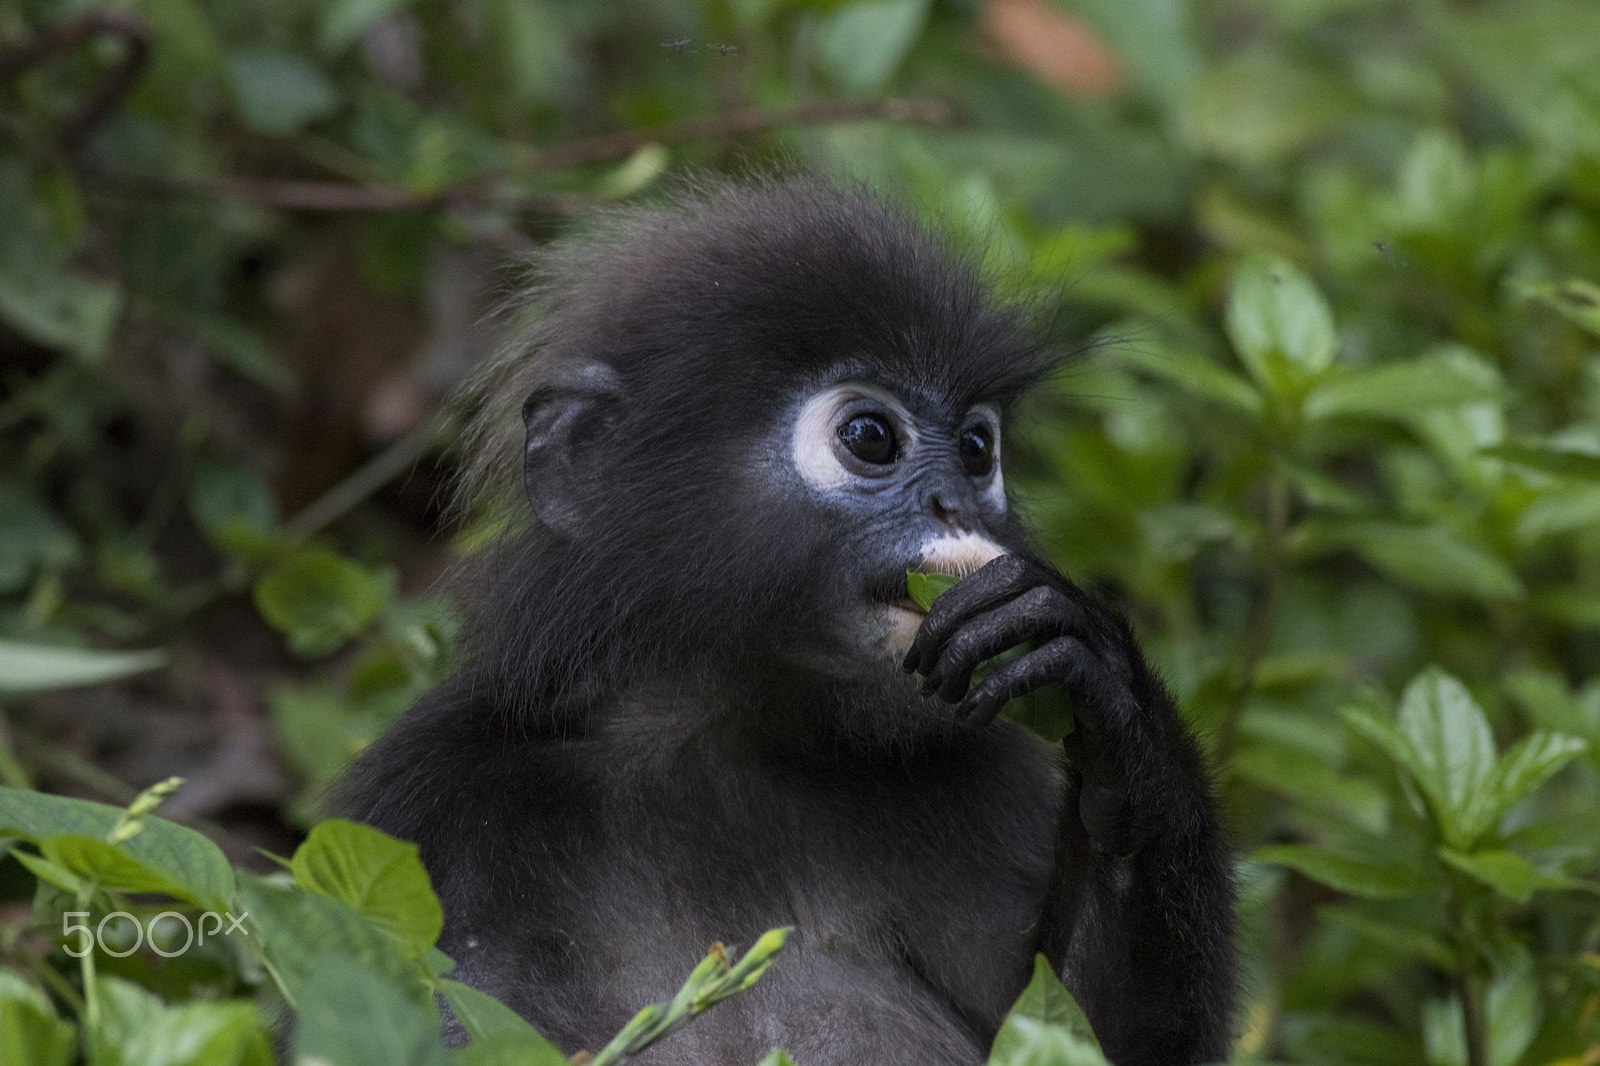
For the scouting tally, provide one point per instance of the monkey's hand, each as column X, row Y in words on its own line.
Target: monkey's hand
column 1138, row 921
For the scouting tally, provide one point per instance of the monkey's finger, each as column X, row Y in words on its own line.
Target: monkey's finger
column 990, row 585
column 1039, row 613
column 1055, row 660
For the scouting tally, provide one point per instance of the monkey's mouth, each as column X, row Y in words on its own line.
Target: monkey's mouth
column 892, row 593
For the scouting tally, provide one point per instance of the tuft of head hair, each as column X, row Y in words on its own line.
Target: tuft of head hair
column 740, row 289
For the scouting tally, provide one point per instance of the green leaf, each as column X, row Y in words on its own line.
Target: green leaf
column 41, row 667
column 1194, row 374
column 1531, row 762
column 1575, row 299
column 1455, row 758
column 137, row 1029
column 925, row 588
column 1392, row 937
column 1045, row 1001
column 1506, row 872
column 320, row 600
column 1399, row 390
column 341, row 22
column 114, row 869
column 1558, row 462
column 1308, row 779
column 31, row 538
column 166, row 850
column 1279, row 324
column 777, row 1057
column 233, row 507
column 1429, row 557
column 279, row 92
column 509, row 1049
column 1155, row 38
column 353, row 1016
column 486, row 1018
column 298, row 928
column 60, row 309
column 863, row 44
column 30, row 1032
column 376, row 874
column 1034, row 1043
column 1361, row 877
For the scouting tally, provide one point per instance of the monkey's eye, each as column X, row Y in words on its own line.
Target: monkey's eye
column 977, row 450
column 870, row 438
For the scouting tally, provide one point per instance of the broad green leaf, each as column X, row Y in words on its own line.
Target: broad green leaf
column 1399, row 390
column 1030, row 1042
column 925, row 588
column 1365, row 878
column 233, row 506
column 279, row 92
column 30, row 1032
column 511, row 1049
column 1531, row 762
column 355, row 1016
column 40, row 667
column 1455, row 759
column 1506, row 872
column 1155, row 38
column 235, row 346
column 1045, row 1000
column 31, row 537
column 1429, row 557
column 486, row 1018
column 114, row 869
column 1559, row 462
column 1257, row 107
column 60, row 309
column 320, row 600
column 864, row 43
column 1393, row 937
column 341, row 22
column 1279, row 324
column 137, row 1029
column 1196, row 375
column 168, row 850
column 376, row 874
column 298, row 928
column 1309, row 779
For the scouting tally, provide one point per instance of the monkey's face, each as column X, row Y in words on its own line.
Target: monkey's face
column 906, row 483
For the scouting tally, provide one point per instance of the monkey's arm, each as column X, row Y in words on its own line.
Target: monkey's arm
column 1139, row 919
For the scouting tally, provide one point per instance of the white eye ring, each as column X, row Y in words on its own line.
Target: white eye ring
column 816, row 449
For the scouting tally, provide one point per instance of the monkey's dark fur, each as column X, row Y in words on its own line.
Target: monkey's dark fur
column 673, row 729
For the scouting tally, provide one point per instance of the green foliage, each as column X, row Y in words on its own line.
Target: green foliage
column 347, row 945
column 1338, row 448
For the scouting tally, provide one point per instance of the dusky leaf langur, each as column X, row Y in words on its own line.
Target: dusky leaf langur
column 699, row 703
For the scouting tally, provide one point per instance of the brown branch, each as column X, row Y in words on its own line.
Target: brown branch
column 337, row 196
column 111, row 90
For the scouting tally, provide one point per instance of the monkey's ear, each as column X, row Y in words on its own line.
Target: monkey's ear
column 563, row 416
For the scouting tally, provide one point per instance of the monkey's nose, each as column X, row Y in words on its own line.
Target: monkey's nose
column 951, row 509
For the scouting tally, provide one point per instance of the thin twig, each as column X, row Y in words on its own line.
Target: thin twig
column 1265, row 614
column 378, row 471
column 337, row 196
column 111, row 90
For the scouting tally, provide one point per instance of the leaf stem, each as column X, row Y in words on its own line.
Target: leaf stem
column 1266, row 611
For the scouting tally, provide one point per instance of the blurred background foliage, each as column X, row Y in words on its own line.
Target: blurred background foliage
column 1335, row 436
